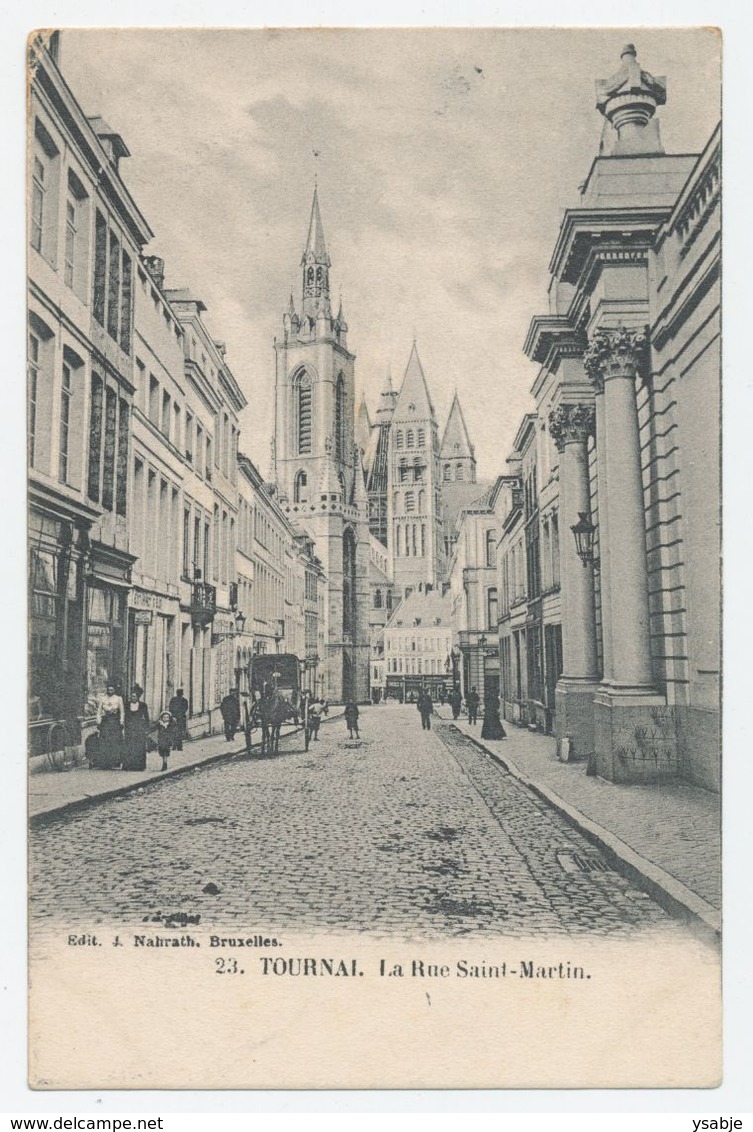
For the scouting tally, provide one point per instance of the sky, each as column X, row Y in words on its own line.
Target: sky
column 444, row 160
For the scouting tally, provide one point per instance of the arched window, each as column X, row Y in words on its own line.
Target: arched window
column 491, row 548
column 458, row 471
column 304, row 413
column 410, row 502
column 399, row 438
column 396, row 503
column 310, row 276
column 421, row 437
column 318, row 274
column 301, row 488
column 421, row 502
column 423, row 540
column 403, row 470
column 418, row 470
column 410, row 440
column 340, row 418
column 377, row 599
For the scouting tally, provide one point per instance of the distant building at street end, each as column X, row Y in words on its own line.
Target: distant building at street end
column 418, row 641
column 628, row 410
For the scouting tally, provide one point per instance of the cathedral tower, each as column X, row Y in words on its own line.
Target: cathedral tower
column 456, row 454
column 413, row 498
column 317, row 464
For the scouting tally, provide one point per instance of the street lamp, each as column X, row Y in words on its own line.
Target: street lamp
column 239, row 624
column 583, row 531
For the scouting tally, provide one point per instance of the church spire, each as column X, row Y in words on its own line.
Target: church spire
column 456, row 451
column 316, row 247
column 315, row 263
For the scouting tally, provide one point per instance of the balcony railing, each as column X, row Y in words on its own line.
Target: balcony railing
column 203, row 603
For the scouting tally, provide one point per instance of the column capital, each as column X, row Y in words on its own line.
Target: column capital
column 621, row 351
column 571, row 422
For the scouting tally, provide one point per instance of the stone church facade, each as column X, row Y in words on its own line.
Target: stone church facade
column 317, row 465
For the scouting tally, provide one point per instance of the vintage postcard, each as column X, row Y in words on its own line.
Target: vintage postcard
column 374, row 395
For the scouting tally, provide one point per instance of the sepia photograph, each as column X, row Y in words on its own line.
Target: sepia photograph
column 374, row 558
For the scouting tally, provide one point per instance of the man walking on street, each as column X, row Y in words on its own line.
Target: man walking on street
column 473, row 700
column 425, row 707
column 178, row 708
column 230, row 712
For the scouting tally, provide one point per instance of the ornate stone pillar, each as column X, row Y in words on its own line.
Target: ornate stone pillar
column 570, row 426
column 613, row 360
column 633, row 742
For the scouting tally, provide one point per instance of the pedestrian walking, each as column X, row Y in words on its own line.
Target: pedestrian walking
column 351, row 719
column 473, row 700
column 165, row 737
column 456, row 702
column 316, row 711
column 492, row 727
column 178, row 708
column 425, row 707
column 135, row 732
column 110, row 714
column 231, row 715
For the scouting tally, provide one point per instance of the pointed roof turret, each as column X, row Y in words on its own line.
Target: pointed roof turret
column 363, row 425
column 341, row 316
column 387, row 401
column 414, row 390
column 291, row 308
column 316, row 247
column 455, row 441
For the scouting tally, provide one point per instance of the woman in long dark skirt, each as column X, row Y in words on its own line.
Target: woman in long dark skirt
column 492, row 727
column 110, row 724
column 135, row 733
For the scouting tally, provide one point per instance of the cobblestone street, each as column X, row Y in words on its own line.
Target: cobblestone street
column 405, row 831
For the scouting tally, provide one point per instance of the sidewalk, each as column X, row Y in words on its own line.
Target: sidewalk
column 668, row 836
column 51, row 792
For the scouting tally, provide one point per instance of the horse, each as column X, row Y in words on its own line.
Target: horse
column 272, row 711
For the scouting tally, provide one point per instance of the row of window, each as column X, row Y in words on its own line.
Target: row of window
column 269, row 604
column 410, row 438
column 416, row 667
column 447, row 471
column 109, row 438
column 198, row 446
column 41, row 414
column 408, row 503
column 418, row 644
column 410, row 540
column 411, row 473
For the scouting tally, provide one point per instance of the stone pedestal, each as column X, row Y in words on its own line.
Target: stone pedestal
column 634, row 737
column 575, row 715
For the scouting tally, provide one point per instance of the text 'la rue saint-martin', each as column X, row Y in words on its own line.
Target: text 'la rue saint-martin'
column 339, row 967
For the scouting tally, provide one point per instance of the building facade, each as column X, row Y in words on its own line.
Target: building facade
column 629, row 389
column 418, row 641
column 474, row 589
column 85, row 237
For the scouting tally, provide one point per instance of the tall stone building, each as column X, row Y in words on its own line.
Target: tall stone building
column 413, row 502
column 376, row 463
column 456, row 453
column 317, row 462
column 628, row 404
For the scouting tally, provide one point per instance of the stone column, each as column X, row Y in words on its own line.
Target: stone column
column 614, row 358
column 605, row 589
column 570, row 426
column 632, row 740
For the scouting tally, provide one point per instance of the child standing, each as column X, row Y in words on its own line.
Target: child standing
column 165, row 737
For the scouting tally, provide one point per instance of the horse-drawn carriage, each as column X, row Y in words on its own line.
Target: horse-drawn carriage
column 275, row 697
